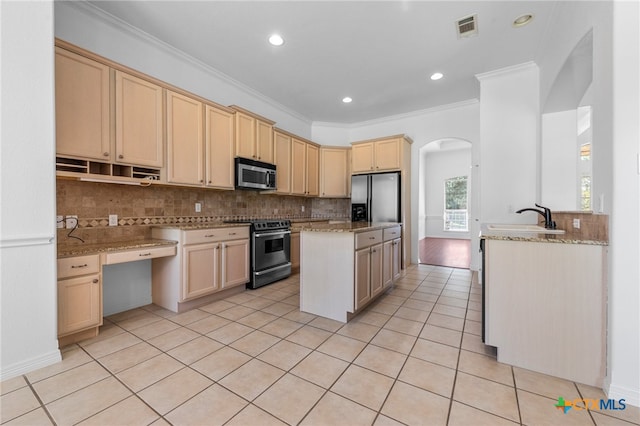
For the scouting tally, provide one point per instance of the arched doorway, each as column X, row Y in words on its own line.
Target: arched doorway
column 444, row 203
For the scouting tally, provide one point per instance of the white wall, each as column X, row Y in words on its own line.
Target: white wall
column 27, row 184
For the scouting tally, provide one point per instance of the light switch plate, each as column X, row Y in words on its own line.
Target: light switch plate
column 113, row 220
column 576, row 223
column 198, row 207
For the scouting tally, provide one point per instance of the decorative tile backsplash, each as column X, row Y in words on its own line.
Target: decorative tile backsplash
column 139, row 208
column 592, row 226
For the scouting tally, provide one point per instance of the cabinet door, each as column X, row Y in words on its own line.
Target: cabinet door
column 363, row 277
column 387, row 264
column 376, row 270
column 82, row 107
column 362, row 158
column 184, row 140
column 264, row 141
column 298, row 167
column 282, row 160
column 245, row 136
column 313, row 168
column 201, row 270
column 235, row 263
column 396, row 259
column 79, row 303
column 219, row 147
column 295, row 250
column 387, row 154
column 138, row 121
column 334, row 172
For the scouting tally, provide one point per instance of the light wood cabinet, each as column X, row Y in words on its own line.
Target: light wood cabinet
column 139, row 121
column 378, row 155
column 79, row 294
column 391, row 262
column 368, row 267
column 313, row 170
column 185, row 148
column 219, row 136
column 82, row 107
column 254, row 136
column 335, row 179
column 282, row 160
column 235, row 262
column 201, row 270
column 305, row 162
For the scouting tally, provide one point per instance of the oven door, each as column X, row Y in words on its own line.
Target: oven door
column 271, row 248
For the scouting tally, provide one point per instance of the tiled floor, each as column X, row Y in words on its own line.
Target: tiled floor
column 414, row 357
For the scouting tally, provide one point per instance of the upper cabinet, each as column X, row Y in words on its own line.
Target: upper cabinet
column 335, row 176
column 254, row 136
column 282, row 160
column 185, row 146
column 139, row 121
column 305, row 163
column 219, row 139
column 380, row 155
column 82, row 107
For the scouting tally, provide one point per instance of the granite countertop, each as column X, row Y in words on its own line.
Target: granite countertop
column 344, row 226
column 566, row 238
column 206, row 225
column 88, row 249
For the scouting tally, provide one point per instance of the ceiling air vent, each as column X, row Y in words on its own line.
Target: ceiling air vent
column 467, row 26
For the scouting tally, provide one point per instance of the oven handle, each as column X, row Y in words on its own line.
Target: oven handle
column 266, row 271
column 268, row 234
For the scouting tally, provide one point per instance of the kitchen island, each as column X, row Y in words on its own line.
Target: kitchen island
column 344, row 266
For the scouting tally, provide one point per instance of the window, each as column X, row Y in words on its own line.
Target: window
column 455, row 204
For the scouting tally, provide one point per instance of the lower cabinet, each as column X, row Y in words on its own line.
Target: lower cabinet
column 368, row 274
column 391, row 258
column 79, row 294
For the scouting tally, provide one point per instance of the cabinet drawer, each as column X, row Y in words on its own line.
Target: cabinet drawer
column 76, row 266
column 200, row 236
column 366, row 239
column 139, row 254
column 391, row 233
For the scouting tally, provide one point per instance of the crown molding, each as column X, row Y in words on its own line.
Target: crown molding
column 507, row 70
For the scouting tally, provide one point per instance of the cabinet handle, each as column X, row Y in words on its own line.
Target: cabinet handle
column 372, row 238
column 79, row 266
column 373, row 250
column 144, row 254
column 201, row 181
column 106, row 154
column 210, row 235
column 95, row 281
column 232, row 233
column 209, row 181
column 120, row 156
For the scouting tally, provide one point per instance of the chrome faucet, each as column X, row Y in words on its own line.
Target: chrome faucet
column 548, row 223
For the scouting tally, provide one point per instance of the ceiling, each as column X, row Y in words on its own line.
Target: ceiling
column 381, row 54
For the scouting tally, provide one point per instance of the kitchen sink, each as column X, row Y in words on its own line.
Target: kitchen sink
column 518, row 227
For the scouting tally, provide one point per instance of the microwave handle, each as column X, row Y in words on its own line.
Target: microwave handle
column 270, row 181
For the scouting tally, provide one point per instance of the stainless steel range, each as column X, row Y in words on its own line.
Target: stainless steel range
column 270, row 251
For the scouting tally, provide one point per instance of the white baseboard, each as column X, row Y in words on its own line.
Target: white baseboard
column 29, row 365
column 630, row 396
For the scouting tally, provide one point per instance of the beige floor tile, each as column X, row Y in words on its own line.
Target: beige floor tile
column 545, row 385
column 486, row 395
column 194, row 350
column 277, row 295
column 236, row 312
column 308, row 336
column 220, row 363
column 160, row 311
column 421, row 305
column 430, row 288
column 401, row 325
column 17, row 403
column 258, row 303
column 428, row 376
column 452, row 301
column 630, row 413
column 446, row 321
column 486, row 367
column 279, row 309
column 463, row 415
column 442, row 335
column 284, row 355
column 139, row 321
column 281, row 327
column 217, row 306
column 83, row 404
column 474, row 316
column 333, row 409
column 326, row 324
column 252, row 379
column 252, row 415
column 540, row 410
column 111, row 345
column 241, row 298
column 293, row 300
column 126, row 315
column 473, row 327
column 453, row 293
column 436, row 353
column 342, row 347
column 174, row 390
column 160, row 422
column 604, row 418
column 358, row 330
column 384, row 307
column 36, row 417
column 154, row 329
column 383, row 420
column 179, row 336
column 69, row 381
column 208, row 324
column 299, row 316
column 473, row 343
column 406, row 285
column 189, row 316
column 412, row 314
column 394, row 341
column 149, row 372
column 12, row 384
column 230, row 333
column 414, row 406
column 257, row 319
column 372, row 318
column 299, row 394
column 255, row 343
column 126, row 358
column 475, row 305
column 450, row 310
column 72, row 357
column 381, row 360
column 213, row 406
column 363, row 386
column 321, row 369
column 130, row 411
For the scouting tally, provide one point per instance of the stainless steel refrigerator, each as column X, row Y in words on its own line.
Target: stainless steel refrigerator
column 376, row 197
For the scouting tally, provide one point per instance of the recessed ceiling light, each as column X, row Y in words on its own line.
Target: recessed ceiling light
column 346, row 100
column 276, row 40
column 436, row 76
column 522, row 20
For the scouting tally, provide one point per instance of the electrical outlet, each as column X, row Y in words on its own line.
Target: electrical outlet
column 302, row 207
column 198, row 207
column 71, row 221
column 113, row 220
column 59, row 221
column 576, row 223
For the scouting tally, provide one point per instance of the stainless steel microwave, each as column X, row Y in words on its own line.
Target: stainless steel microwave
column 252, row 174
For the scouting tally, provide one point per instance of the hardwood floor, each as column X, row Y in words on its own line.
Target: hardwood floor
column 454, row 253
